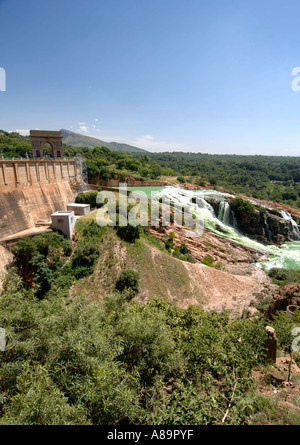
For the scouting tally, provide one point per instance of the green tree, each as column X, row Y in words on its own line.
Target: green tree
column 129, row 233
column 128, row 281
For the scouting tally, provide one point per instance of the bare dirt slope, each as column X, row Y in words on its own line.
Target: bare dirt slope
column 224, row 290
column 238, row 280
column 183, row 283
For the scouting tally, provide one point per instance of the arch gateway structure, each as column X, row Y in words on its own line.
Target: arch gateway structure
column 39, row 138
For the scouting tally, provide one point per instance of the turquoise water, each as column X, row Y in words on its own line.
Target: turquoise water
column 288, row 258
column 147, row 190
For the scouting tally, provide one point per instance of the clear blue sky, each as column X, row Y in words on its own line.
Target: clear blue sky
column 213, row 76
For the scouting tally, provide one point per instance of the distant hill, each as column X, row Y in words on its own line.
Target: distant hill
column 79, row 140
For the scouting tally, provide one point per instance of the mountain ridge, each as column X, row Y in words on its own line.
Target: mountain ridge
column 80, row 140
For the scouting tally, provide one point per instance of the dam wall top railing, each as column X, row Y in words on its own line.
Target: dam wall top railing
column 18, row 173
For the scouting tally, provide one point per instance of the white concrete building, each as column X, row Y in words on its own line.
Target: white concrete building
column 64, row 221
column 79, row 209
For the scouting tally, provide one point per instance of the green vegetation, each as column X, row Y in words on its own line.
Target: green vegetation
column 39, row 260
column 271, row 178
column 263, row 177
column 49, row 261
column 282, row 277
column 242, row 209
column 129, row 233
column 128, row 281
column 117, row 362
column 169, row 242
column 89, row 197
column 75, row 359
column 210, row 262
column 84, row 259
column 181, row 252
column 14, row 145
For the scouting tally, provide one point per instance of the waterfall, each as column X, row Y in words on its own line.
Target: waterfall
column 294, row 228
column 224, row 213
column 267, row 228
column 205, row 212
column 286, row 256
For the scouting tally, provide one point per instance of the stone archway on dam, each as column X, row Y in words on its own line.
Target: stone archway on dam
column 38, row 140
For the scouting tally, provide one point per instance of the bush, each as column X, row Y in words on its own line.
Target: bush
column 112, row 363
column 242, row 209
column 129, row 233
column 284, row 276
column 182, row 254
column 209, row 261
column 177, row 253
column 39, row 259
column 128, row 280
column 184, row 249
column 89, row 197
column 84, row 259
column 89, row 229
column 190, row 258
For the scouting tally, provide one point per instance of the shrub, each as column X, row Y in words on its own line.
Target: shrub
column 84, row 259
column 129, row 233
column 89, row 229
column 184, row 249
column 39, row 259
column 89, row 197
column 177, row 254
column 242, row 209
column 284, row 276
column 209, row 261
column 283, row 326
column 128, row 280
column 190, row 258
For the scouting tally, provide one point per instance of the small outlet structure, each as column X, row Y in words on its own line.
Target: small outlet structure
column 291, row 309
column 79, row 209
column 64, row 222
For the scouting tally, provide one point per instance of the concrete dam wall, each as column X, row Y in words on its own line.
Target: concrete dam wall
column 31, row 190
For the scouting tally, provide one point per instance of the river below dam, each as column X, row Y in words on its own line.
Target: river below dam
column 286, row 256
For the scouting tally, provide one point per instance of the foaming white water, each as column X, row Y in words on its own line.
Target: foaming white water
column 286, row 256
column 205, row 212
column 289, row 258
column 292, row 223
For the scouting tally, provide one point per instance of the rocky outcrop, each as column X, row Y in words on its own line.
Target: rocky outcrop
column 267, row 226
column 288, row 295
